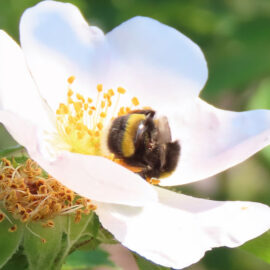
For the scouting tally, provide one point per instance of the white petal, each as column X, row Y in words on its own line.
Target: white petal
column 157, row 63
column 91, row 176
column 98, row 178
column 213, row 140
column 153, row 61
column 23, row 131
column 178, row 230
column 18, row 92
column 58, row 43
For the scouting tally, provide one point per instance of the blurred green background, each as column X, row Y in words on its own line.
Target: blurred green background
column 235, row 37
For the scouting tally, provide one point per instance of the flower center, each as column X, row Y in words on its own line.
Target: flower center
column 81, row 120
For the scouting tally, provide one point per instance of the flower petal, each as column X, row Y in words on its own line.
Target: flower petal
column 98, row 178
column 58, row 43
column 94, row 177
column 23, row 131
column 178, row 230
column 213, row 140
column 18, row 92
column 156, row 62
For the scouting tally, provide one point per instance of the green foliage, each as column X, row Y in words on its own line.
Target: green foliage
column 88, row 259
column 261, row 99
column 41, row 255
column 260, row 247
column 18, row 261
column 235, row 38
column 35, row 246
column 11, row 150
column 143, row 264
column 9, row 241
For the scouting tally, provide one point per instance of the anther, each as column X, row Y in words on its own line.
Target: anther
column 102, row 114
column 100, row 126
column 121, row 90
column 13, row 228
column 99, row 87
column 135, row 101
column 71, row 79
column 111, row 92
column 70, row 92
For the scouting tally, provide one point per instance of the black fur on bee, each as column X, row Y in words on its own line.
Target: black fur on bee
column 143, row 141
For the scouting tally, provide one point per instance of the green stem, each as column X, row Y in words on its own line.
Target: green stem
column 6, row 152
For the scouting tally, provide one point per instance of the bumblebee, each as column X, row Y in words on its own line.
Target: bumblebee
column 141, row 140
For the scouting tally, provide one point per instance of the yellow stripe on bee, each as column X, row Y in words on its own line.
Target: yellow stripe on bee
column 133, row 121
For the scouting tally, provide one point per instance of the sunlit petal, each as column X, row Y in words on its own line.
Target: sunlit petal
column 178, row 230
column 213, row 140
column 18, row 92
column 153, row 61
column 156, row 62
column 58, row 43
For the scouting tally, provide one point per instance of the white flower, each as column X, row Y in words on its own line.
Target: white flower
column 166, row 70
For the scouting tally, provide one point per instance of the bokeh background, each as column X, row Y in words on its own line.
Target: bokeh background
column 235, row 37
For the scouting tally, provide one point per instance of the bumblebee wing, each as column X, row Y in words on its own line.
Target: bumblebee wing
column 164, row 131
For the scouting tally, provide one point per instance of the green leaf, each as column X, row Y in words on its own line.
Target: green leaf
column 93, row 226
column 42, row 255
column 73, row 237
column 77, row 230
column 10, row 241
column 91, row 245
column 11, row 150
column 18, row 261
column 95, row 229
column 106, row 237
column 88, row 259
column 144, row 264
column 260, row 247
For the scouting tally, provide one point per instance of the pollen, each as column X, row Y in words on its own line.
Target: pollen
column 152, row 181
column 13, row 228
column 81, row 120
column 29, row 196
column 135, row 101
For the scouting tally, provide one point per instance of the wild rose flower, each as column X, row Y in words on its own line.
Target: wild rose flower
column 46, row 92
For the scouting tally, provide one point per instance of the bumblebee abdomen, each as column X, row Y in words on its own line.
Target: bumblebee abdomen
column 122, row 133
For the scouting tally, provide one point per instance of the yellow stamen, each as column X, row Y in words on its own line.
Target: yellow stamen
column 135, row 101
column 71, row 79
column 110, row 92
column 121, row 90
column 99, row 87
column 70, row 92
column 81, row 124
